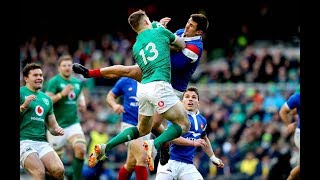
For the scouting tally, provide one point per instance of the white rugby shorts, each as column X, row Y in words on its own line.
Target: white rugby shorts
column 155, row 96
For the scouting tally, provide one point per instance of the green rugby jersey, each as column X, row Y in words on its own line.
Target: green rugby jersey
column 32, row 120
column 151, row 52
column 66, row 109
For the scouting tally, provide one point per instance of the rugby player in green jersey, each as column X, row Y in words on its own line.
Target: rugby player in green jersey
column 37, row 157
column 67, row 95
column 155, row 93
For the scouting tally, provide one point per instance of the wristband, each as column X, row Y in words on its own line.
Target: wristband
column 60, row 95
column 215, row 160
column 94, row 73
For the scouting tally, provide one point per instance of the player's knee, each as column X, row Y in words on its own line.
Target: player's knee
column 294, row 173
column 79, row 151
column 38, row 172
column 79, row 147
column 185, row 126
column 145, row 132
column 58, row 172
column 156, row 125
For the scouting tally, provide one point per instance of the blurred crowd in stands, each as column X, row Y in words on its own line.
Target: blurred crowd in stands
column 241, row 93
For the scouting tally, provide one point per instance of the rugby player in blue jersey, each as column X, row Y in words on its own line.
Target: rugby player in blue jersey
column 136, row 156
column 182, row 149
column 289, row 108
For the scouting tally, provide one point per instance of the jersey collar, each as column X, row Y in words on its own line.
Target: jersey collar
column 191, row 113
column 190, row 38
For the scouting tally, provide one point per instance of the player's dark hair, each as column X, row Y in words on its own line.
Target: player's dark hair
column 202, row 21
column 29, row 67
column 192, row 88
column 135, row 18
column 64, row 57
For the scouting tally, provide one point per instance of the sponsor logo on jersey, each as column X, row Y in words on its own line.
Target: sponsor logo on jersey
column 39, row 110
column 194, row 134
column 134, row 97
column 134, row 104
column 71, row 95
column 46, row 101
column 37, row 119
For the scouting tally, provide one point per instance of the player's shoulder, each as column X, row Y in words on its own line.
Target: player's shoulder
column 76, row 80
column 163, row 31
column 201, row 117
column 43, row 95
column 53, row 78
column 297, row 94
column 22, row 88
column 295, row 97
column 179, row 32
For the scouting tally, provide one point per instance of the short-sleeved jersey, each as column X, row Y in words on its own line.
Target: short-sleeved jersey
column 66, row 108
column 197, row 130
column 32, row 120
column 151, row 52
column 294, row 102
column 127, row 88
column 186, row 61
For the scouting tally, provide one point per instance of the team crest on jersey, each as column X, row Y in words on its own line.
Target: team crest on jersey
column 130, row 89
column 39, row 110
column 45, row 101
column 72, row 95
column 201, row 126
column 77, row 86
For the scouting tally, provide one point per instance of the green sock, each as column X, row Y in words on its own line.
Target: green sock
column 77, row 165
column 126, row 135
column 172, row 132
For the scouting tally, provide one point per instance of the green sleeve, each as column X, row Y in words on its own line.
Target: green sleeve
column 172, row 37
column 50, row 106
column 21, row 99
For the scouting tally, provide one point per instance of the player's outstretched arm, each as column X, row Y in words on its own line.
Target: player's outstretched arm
column 209, row 151
column 179, row 43
column 187, row 142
